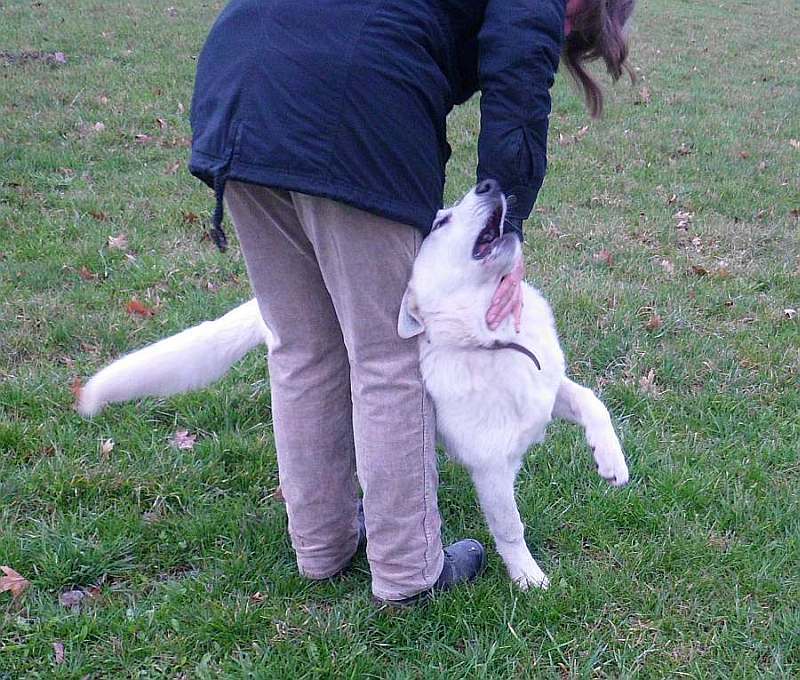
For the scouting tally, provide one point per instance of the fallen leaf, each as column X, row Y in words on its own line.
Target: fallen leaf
column 684, row 219
column 668, row 267
column 795, row 144
column 118, row 242
column 789, row 313
column 183, row 440
column 102, row 100
column 644, row 96
column 278, row 495
column 190, row 217
column 654, row 323
column 162, row 124
column 13, row 582
column 672, row 199
column 136, row 307
column 142, row 138
column 699, row 270
column 605, row 256
column 647, row 383
column 58, row 648
column 258, row 597
column 685, row 149
column 99, row 215
column 76, row 387
column 106, row 447
column 93, row 592
column 172, row 168
column 722, row 270
column 72, row 598
column 85, row 273
column 744, row 155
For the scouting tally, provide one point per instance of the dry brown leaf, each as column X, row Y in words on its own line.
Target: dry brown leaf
column 190, row 217
column 86, row 274
column 142, row 138
column 744, row 155
column 106, row 447
column 99, row 215
column 258, row 597
column 647, row 383
column 644, row 96
column 13, row 582
column 278, row 495
column 72, row 598
column 162, row 124
column 699, row 270
column 722, row 270
column 684, row 219
column 76, row 387
column 654, row 323
column 183, row 440
column 136, row 307
column 605, row 256
column 58, row 649
column 172, row 168
column 118, row 242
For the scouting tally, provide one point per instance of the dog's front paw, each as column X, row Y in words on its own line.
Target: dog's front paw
column 610, row 461
column 529, row 576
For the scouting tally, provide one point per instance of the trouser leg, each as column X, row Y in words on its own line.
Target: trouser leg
column 309, row 377
column 366, row 263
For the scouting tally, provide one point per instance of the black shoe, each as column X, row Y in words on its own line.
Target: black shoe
column 463, row 563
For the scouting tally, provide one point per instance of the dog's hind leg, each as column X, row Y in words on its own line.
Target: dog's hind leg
column 495, row 486
column 580, row 405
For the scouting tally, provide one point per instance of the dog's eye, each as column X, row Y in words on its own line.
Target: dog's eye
column 440, row 222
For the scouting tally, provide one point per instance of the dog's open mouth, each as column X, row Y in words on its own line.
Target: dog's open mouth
column 489, row 234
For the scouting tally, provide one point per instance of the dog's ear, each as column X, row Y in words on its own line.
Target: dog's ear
column 408, row 322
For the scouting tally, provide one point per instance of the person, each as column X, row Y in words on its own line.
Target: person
column 322, row 124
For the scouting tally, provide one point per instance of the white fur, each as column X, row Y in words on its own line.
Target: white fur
column 491, row 405
column 187, row 361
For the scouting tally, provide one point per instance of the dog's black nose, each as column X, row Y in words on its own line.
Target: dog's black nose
column 487, row 186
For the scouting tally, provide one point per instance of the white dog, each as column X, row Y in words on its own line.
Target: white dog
column 494, row 391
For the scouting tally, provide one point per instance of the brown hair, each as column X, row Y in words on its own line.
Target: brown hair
column 598, row 32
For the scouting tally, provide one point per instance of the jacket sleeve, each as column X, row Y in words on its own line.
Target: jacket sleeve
column 519, row 50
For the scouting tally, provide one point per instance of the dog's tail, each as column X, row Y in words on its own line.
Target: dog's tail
column 187, row 361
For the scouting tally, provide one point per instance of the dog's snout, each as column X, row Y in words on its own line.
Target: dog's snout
column 487, row 186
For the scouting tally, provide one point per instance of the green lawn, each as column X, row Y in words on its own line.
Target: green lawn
column 666, row 238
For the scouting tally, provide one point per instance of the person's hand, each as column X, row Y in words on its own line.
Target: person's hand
column 508, row 298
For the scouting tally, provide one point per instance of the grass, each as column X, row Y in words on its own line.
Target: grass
column 689, row 184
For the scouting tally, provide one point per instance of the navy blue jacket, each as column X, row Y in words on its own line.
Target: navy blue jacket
column 348, row 99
